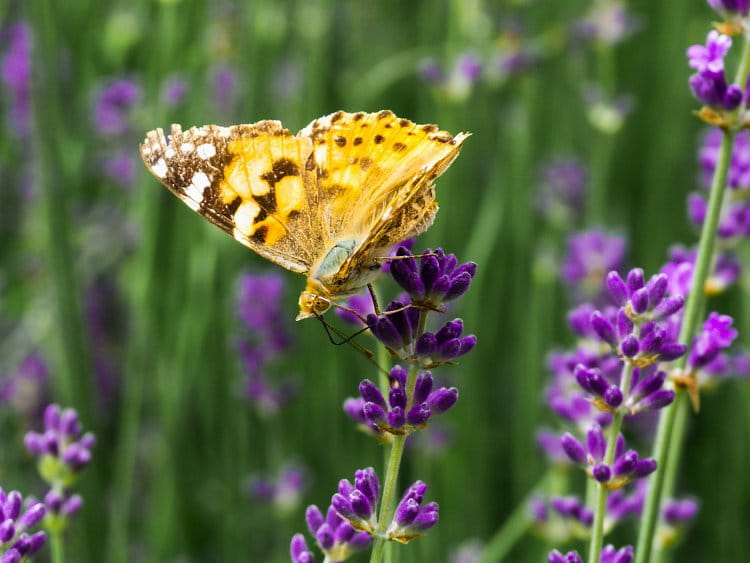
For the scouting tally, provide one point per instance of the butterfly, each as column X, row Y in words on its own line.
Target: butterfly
column 327, row 203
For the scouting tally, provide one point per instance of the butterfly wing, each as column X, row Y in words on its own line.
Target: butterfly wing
column 375, row 172
column 249, row 180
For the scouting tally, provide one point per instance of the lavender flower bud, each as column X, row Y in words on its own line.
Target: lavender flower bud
column 617, row 288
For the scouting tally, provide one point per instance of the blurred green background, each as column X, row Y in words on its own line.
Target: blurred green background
column 177, row 437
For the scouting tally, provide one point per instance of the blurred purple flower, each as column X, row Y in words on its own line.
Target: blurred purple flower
column 259, row 308
column 114, row 105
column 283, row 491
column 709, row 83
column 15, row 69
column 19, row 518
column 120, row 168
column 225, row 87
column 590, row 255
column 679, row 271
column 729, row 7
column 26, row 387
column 63, row 444
column 174, row 91
column 562, row 186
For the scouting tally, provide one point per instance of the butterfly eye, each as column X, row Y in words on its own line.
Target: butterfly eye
column 321, row 305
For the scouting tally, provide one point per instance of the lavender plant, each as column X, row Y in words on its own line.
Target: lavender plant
column 360, row 514
column 62, row 450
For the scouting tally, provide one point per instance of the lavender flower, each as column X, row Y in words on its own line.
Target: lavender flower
column 730, row 7
column 412, row 518
column 646, row 391
column 25, row 388
column 609, row 23
column 397, row 330
column 570, row 557
column 435, row 279
column 716, row 335
column 357, row 503
column 114, row 104
column 610, row 554
column 63, row 450
column 590, row 255
column 635, row 331
column 571, row 508
column 174, row 91
column 299, row 551
column 19, row 518
column 679, row 272
column 259, row 299
column 403, row 414
column 626, row 467
column 679, row 512
column 709, row 83
column 15, row 70
column 335, row 537
column 225, row 85
column 120, row 168
column 283, row 491
column 562, row 185
column 61, row 506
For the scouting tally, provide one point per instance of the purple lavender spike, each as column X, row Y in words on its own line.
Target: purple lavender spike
column 573, row 448
column 626, row 463
column 396, row 417
column 630, row 346
column 419, row 414
column 422, row 387
column 371, row 394
column 639, row 301
column 314, row 518
column 442, row 399
column 603, row 328
column 602, row 473
column 374, row 413
column 596, row 443
column 617, row 288
column 635, row 280
column 426, row 344
column 360, row 505
column 613, row 397
column 657, row 288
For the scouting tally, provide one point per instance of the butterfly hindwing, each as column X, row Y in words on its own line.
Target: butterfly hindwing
column 250, row 180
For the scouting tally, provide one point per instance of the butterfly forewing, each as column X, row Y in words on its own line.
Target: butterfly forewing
column 250, row 180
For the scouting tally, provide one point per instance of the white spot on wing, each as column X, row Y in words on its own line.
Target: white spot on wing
column 187, row 147
column 206, row 150
column 201, row 181
column 244, row 216
column 194, row 197
column 169, row 153
column 160, row 168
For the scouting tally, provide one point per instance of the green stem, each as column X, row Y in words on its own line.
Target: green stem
column 515, row 526
column 388, row 500
column 597, row 531
column 668, row 433
column 56, row 546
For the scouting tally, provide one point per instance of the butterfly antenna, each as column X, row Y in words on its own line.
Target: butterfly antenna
column 349, row 340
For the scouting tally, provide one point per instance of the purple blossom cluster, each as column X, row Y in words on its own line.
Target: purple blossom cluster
column 431, row 281
column 63, row 445
column 709, row 83
column 730, row 7
column 63, row 451
column 351, row 520
column 626, row 467
column 17, row 519
column 26, row 387
column 263, row 339
column 402, row 413
column 15, row 71
column 561, row 190
column 610, row 554
column 590, row 255
column 282, row 491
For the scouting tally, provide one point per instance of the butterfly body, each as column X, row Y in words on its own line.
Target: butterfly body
column 328, row 203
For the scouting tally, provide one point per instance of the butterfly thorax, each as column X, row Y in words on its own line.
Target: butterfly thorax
column 335, row 277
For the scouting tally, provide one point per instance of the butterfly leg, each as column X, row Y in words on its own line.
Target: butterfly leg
column 374, row 296
column 425, row 255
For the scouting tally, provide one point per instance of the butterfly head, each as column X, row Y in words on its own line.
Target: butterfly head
column 313, row 301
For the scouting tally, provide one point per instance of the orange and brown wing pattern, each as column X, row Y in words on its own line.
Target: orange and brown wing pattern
column 366, row 161
column 250, row 180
